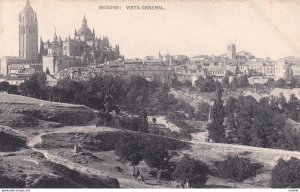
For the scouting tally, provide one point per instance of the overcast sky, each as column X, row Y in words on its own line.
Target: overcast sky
column 262, row 27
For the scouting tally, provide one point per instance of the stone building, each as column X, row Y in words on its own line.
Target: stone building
column 28, row 44
column 231, row 51
column 283, row 69
column 82, row 50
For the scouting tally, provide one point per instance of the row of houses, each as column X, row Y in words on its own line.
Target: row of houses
column 284, row 68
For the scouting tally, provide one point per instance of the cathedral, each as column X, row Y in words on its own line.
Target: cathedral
column 82, row 50
column 56, row 55
column 27, row 61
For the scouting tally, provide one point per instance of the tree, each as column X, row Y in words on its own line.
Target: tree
column 286, row 174
column 209, row 84
column 216, row 130
column 129, row 149
column 280, row 83
column 35, row 86
column 230, row 108
column 245, row 113
column 242, row 81
column 47, row 71
column 236, row 168
column 293, row 108
column 234, row 83
column 202, row 112
column 225, row 81
column 270, row 83
column 205, row 85
column 4, row 86
column 281, row 100
column 198, row 83
column 156, row 156
column 189, row 170
column 188, row 84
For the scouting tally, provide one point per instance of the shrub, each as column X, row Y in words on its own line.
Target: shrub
column 156, row 156
column 129, row 149
column 192, row 171
column 236, row 168
column 286, row 174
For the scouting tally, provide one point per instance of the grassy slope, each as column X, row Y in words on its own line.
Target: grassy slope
column 19, row 111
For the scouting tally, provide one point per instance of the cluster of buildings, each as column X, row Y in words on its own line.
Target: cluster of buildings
column 85, row 56
column 235, row 63
column 56, row 55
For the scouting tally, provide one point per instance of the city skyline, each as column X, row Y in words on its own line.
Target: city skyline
column 266, row 29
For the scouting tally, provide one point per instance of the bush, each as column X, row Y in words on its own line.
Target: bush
column 236, row 168
column 156, row 156
column 11, row 140
column 192, row 171
column 129, row 149
column 286, row 174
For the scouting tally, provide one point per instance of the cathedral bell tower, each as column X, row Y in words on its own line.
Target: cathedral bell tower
column 28, row 34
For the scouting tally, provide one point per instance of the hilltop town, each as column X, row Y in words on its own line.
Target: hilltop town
column 76, row 113
column 83, row 55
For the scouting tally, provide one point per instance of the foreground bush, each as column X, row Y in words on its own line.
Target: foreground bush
column 236, row 168
column 157, row 156
column 191, row 171
column 10, row 139
column 286, row 174
column 129, row 149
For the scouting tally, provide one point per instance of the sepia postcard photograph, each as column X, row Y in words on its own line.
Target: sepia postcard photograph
column 149, row 94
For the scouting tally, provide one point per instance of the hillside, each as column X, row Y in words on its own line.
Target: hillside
column 46, row 157
column 19, row 111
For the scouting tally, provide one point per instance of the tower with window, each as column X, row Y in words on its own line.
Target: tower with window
column 28, row 34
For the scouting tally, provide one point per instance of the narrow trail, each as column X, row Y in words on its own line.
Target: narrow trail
column 124, row 183
column 265, row 155
column 199, row 138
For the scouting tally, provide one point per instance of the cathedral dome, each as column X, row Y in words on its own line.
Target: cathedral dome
column 84, row 30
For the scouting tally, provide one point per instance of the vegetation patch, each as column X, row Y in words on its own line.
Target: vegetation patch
column 237, row 168
column 191, row 171
column 10, row 139
column 286, row 174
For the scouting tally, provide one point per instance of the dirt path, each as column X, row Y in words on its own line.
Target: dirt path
column 124, row 183
column 264, row 155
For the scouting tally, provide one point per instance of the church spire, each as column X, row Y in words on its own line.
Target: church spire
column 55, row 36
column 27, row 3
column 84, row 21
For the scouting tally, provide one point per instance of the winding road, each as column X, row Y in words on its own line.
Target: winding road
column 124, row 183
column 265, row 155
